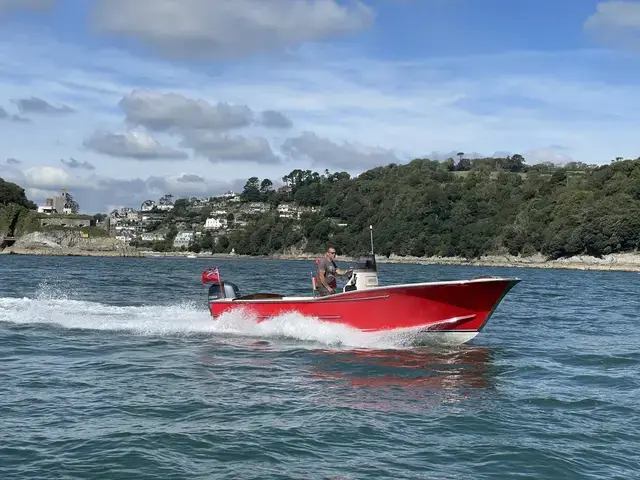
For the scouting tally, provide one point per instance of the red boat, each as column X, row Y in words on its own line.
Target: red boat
column 452, row 312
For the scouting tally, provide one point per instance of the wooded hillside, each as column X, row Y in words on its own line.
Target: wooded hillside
column 468, row 208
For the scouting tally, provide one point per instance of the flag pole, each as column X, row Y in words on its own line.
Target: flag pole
column 371, row 234
column 224, row 295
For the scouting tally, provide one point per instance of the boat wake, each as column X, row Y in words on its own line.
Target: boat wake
column 188, row 319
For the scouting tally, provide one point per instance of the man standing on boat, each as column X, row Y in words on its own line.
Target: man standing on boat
column 327, row 271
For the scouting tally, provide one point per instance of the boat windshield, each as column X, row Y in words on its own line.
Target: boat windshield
column 365, row 262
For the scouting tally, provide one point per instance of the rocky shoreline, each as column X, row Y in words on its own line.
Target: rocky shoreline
column 64, row 243
column 616, row 262
column 71, row 244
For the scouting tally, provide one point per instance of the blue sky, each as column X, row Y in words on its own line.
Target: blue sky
column 121, row 100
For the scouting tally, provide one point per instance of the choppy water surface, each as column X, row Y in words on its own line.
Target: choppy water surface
column 111, row 368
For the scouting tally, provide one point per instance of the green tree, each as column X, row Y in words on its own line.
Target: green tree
column 13, row 193
column 251, row 191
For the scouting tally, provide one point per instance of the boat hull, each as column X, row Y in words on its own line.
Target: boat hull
column 459, row 309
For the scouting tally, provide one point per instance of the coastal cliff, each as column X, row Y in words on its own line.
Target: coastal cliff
column 69, row 243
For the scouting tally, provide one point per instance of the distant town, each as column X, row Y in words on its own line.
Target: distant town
column 190, row 218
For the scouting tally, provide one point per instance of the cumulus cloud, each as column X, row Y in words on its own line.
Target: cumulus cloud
column 217, row 147
column 175, row 112
column 190, row 178
column 213, row 29
column 557, row 154
column 46, row 177
column 273, row 119
column 7, row 6
column 133, row 144
column 616, row 23
column 74, row 164
column 325, row 152
column 4, row 115
column 202, row 126
column 40, row 106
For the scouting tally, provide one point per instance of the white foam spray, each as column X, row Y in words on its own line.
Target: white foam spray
column 52, row 308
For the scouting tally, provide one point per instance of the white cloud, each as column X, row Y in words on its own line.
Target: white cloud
column 133, row 144
column 47, row 177
column 221, row 28
column 190, row 178
column 345, row 156
column 555, row 154
column 220, row 148
column 39, row 106
column 617, row 23
column 171, row 111
column 12, row 117
column 273, row 119
column 75, row 164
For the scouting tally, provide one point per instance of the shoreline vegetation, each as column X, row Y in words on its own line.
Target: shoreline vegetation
column 627, row 262
column 484, row 212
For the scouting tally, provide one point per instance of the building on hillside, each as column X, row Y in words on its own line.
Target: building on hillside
column 147, row 206
column 258, row 207
column 62, row 203
column 287, row 210
column 165, row 203
column 215, row 223
column 183, row 239
column 152, row 217
column 152, row 236
column 134, row 216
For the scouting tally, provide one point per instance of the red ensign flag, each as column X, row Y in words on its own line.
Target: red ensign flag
column 211, row 275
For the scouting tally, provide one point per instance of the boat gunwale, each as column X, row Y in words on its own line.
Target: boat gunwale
column 340, row 297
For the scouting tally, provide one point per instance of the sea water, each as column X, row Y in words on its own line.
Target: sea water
column 112, row 368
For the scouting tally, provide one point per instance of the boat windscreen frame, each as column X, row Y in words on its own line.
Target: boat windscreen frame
column 366, row 262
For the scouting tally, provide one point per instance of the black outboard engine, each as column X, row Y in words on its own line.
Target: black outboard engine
column 231, row 290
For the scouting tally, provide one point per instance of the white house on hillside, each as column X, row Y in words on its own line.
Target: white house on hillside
column 215, row 223
column 183, row 239
column 152, row 236
column 147, row 206
column 287, row 210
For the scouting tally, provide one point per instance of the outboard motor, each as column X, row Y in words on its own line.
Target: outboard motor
column 217, row 288
column 365, row 274
column 231, row 290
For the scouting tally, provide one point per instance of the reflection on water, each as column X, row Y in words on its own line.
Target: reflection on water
column 405, row 380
